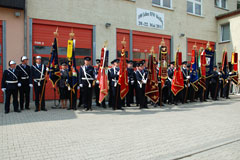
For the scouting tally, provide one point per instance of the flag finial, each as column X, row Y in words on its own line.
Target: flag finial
column 163, row 42
column 123, row 42
column 195, row 46
column 105, row 44
column 71, row 34
column 208, row 45
column 152, row 50
column 55, row 33
column 178, row 47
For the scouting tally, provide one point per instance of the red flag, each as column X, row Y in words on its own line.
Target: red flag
column 234, row 75
column 123, row 75
column 202, row 81
column 178, row 81
column 151, row 90
column 102, row 75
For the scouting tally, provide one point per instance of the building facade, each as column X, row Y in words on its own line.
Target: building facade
column 143, row 23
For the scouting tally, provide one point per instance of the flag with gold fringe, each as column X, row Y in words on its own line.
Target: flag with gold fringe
column 54, row 71
column 151, row 89
column 178, row 81
column 102, row 75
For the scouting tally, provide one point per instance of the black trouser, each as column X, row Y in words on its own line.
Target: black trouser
column 87, row 97
column 38, row 90
column 116, row 102
column 110, row 96
column 142, row 97
column 97, row 91
column 24, row 96
column 73, row 99
column 137, row 95
column 14, row 93
column 214, row 90
column 226, row 90
column 130, row 95
column 207, row 89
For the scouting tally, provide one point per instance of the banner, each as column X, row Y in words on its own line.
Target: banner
column 102, row 75
column 194, row 70
column 209, row 62
column 72, row 80
column 163, row 64
column 151, row 89
column 54, row 71
column 178, row 81
column 202, row 69
column 234, row 72
column 123, row 75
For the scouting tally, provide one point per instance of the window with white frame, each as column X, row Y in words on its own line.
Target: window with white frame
column 225, row 32
column 163, row 3
column 221, row 3
column 194, row 7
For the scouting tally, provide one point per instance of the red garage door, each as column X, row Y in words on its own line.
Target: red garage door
column 121, row 33
column 199, row 43
column 43, row 39
column 143, row 42
column 1, row 62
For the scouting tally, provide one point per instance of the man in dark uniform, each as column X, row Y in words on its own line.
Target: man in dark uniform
column 141, row 76
column 10, row 84
column 96, row 87
column 186, row 78
column 24, row 78
column 169, row 82
column 214, row 82
column 115, row 88
column 86, row 78
column 220, row 73
column 131, row 80
column 62, row 85
column 110, row 86
column 38, row 71
column 136, row 84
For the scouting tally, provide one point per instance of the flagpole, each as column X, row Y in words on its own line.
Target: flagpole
column 44, row 83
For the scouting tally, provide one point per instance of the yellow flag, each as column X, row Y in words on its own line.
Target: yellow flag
column 70, row 48
column 232, row 58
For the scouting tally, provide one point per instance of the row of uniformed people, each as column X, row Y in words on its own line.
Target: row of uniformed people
column 22, row 77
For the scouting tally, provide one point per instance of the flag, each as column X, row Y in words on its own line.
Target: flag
column 102, row 75
column 209, row 62
column 163, row 64
column 178, row 81
column 234, row 62
column 72, row 80
column 54, row 71
column 123, row 75
column 194, row 71
column 224, row 68
column 151, row 89
column 202, row 69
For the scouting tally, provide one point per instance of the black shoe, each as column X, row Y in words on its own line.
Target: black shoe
column 128, row 105
column 27, row 108
column 68, row 108
column 75, row 109
column 22, row 109
column 44, row 109
column 6, row 112
column 18, row 111
column 86, row 109
column 36, row 110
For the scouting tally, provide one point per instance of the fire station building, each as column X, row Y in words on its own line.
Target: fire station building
column 27, row 26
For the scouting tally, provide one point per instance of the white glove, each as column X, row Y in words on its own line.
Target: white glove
column 144, row 81
column 97, row 81
column 80, row 85
column 219, row 73
column 132, row 82
column 230, row 73
column 19, row 84
column 30, row 85
column 3, row 89
column 118, row 73
column 47, row 69
column 188, row 77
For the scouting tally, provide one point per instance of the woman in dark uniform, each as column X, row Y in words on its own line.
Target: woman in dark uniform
column 63, row 85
